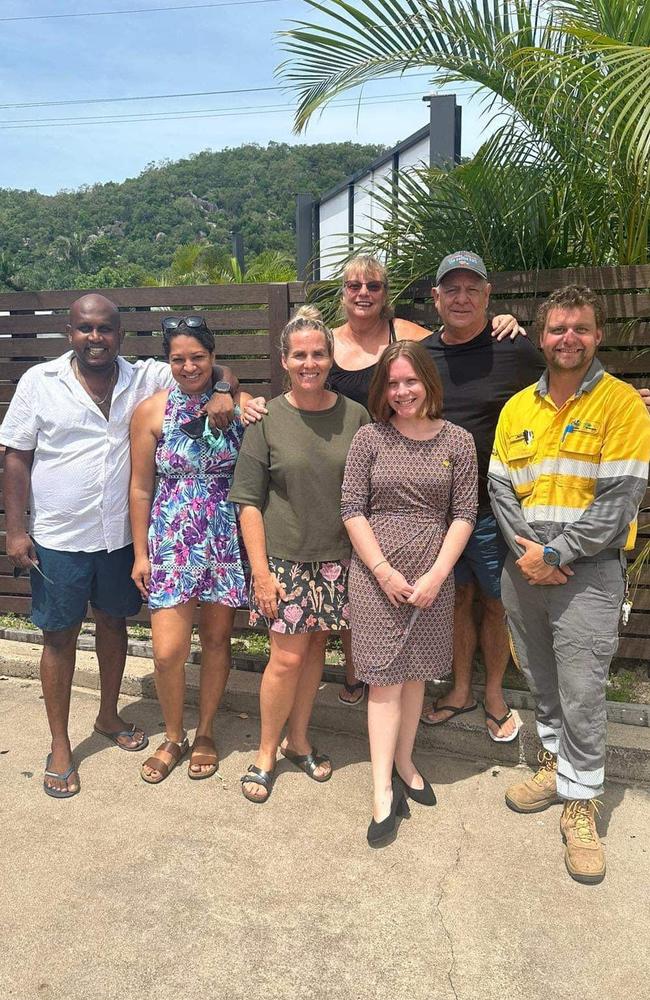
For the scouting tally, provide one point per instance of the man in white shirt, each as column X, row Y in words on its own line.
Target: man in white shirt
column 66, row 434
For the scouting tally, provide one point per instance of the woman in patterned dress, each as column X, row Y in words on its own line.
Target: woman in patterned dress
column 409, row 503
column 288, row 486
column 186, row 543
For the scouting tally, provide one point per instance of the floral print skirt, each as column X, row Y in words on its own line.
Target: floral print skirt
column 317, row 597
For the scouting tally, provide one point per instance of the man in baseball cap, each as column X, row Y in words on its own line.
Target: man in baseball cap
column 461, row 260
column 478, row 377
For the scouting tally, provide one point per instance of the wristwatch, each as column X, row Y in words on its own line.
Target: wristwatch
column 551, row 556
column 222, row 387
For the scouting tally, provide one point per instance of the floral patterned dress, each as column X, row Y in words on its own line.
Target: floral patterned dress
column 317, row 597
column 194, row 544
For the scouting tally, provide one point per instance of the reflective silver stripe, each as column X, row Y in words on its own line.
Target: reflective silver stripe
column 557, row 467
column 623, row 467
column 555, row 515
column 593, row 777
column 568, row 467
column 497, row 468
column 520, row 477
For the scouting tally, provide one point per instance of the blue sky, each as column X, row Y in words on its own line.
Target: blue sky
column 165, row 52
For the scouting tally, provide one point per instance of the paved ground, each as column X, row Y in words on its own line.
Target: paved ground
column 188, row 891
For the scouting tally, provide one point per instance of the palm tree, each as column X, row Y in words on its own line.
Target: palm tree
column 563, row 180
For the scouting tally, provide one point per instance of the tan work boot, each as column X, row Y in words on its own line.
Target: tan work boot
column 537, row 792
column 584, row 855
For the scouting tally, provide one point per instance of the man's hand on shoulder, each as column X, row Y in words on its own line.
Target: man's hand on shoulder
column 645, row 396
column 254, row 410
column 220, row 410
column 504, row 325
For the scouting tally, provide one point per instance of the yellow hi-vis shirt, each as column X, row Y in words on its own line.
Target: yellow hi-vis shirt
column 571, row 477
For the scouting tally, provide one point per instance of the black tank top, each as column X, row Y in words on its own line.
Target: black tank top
column 356, row 384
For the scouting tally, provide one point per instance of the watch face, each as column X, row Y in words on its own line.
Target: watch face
column 551, row 556
column 222, row 386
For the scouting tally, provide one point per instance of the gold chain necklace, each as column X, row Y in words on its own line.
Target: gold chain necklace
column 82, row 382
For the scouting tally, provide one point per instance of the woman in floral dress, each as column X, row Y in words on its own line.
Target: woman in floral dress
column 187, row 547
column 288, row 485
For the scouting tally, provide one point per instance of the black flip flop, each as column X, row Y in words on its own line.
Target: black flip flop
column 352, row 689
column 453, row 712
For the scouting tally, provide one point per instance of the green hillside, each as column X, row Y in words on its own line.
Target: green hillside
column 113, row 234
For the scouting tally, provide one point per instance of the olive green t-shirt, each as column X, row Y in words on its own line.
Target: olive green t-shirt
column 291, row 468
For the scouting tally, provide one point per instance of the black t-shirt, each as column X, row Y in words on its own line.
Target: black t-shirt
column 478, row 378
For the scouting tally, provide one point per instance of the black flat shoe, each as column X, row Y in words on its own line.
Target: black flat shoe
column 383, row 833
column 423, row 796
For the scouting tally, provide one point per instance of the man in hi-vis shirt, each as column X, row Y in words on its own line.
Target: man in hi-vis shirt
column 568, row 472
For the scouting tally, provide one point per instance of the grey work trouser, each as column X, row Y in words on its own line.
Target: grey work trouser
column 564, row 638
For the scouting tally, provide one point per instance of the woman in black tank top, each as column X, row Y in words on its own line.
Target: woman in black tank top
column 355, row 384
column 369, row 327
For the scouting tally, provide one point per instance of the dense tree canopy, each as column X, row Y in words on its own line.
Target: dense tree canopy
column 118, row 234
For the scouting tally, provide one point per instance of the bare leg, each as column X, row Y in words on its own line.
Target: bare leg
column 411, row 708
column 277, row 696
column 465, row 644
column 110, row 646
column 344, row 695
column 496, row 653
column 171, row 631
column 310, row 677
column 384, row 719
column 57, row 669
column 215, row 629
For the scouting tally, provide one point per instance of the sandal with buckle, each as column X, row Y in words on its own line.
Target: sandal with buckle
column 309, row 762
column 161, row 769
column 256, row 776
column 208, row 757
column 352, row 689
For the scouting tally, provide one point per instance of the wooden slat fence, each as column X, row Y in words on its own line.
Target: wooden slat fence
column 247, row 320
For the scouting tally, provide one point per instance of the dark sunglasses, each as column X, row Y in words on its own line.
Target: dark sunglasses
column 191, row 322
column 356, row 286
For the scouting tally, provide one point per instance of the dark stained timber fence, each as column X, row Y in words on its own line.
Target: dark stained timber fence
column 247, row 320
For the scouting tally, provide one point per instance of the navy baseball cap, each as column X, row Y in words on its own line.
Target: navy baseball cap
column 461, row 260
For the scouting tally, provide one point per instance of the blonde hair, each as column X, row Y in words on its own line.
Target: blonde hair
column 368, row 267
column 306, row 318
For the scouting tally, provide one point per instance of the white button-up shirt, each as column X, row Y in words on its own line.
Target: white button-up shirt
column 79, row 498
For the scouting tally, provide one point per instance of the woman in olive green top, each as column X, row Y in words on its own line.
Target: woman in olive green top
column 288, row 485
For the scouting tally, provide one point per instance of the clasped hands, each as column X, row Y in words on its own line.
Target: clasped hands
column 532, row 565
column 398, row 590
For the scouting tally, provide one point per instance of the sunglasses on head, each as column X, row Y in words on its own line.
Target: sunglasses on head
column 190, row 322
column 356, row 286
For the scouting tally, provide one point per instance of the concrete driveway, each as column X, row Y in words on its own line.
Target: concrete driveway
column 186, row 891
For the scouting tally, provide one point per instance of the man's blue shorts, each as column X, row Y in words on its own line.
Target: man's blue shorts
column 483, row 558
column 103, row 578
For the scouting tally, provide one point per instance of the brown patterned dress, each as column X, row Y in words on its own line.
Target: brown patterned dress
column 410, row 491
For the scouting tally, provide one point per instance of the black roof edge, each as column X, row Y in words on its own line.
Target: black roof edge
column 405, row 144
